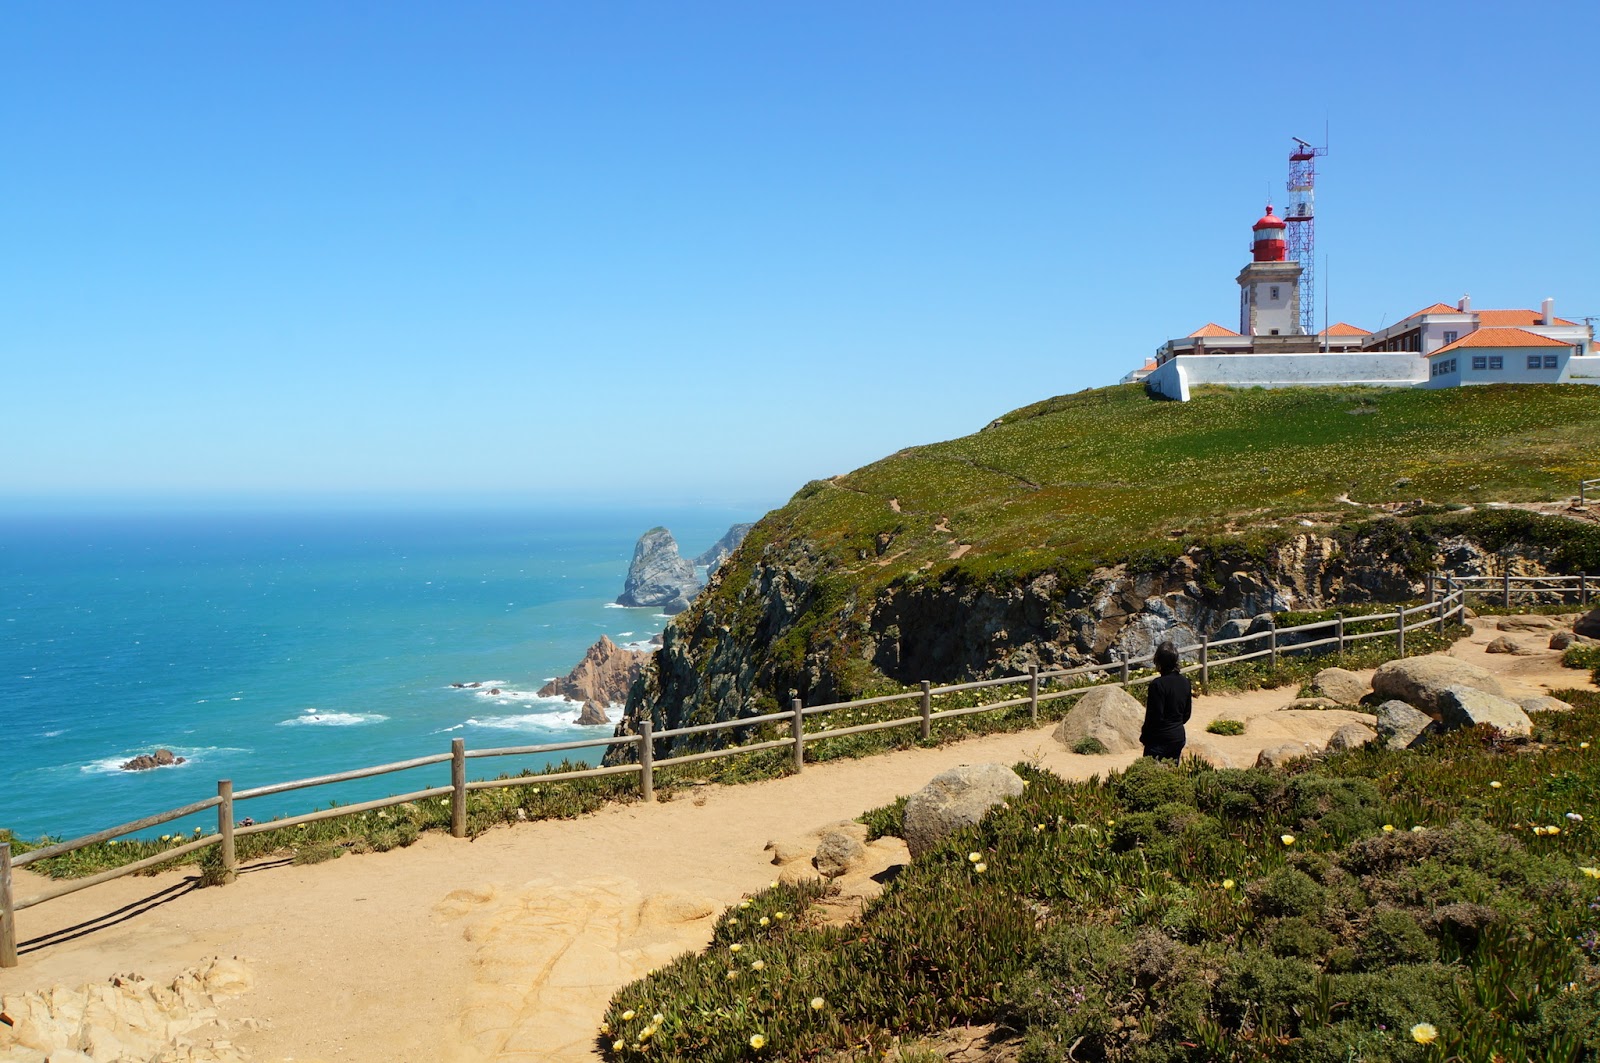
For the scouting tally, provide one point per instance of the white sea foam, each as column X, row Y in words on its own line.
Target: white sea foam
column 318, row 718
column 51, row 734
column 613, row 605
column 624, row 634
column 642, row 646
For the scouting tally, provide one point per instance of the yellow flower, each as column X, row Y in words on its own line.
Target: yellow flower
column 1388, row 826
column 657, row 1019
column 1287, row 839
column 780, row 915
column 605, row 1027
column 817, row 1003
column 618, row 1045
column 744, row 904
column 973, row 857
column 759, row 965
column 1592, row 872
column 980, row 868
column 773, row 885
column 732, row 974
column 757, row 1041
column 627, row 1015
column 765, row 921
column 1583, row 745
column 1424, row 1033
column 647, row 1033
column 1495, row 784
column 1228, row 883
column 1417, row 829
column 735, row 947
column 1552, row 830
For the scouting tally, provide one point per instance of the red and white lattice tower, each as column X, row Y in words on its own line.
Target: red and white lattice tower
column 1301, row 217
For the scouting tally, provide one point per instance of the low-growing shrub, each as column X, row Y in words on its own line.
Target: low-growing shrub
column 1225, row 727
column 1089, row 746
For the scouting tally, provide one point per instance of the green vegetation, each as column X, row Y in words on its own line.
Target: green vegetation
column 1225, row 727
column 1375, row 905
column 1104, row 476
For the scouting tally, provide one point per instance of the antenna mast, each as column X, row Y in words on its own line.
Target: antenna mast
column 1302, row 218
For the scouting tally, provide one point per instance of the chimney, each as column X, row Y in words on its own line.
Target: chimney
column 1465, row 304
column 1547, row 314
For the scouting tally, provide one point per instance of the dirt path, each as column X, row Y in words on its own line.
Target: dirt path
column 507, row 948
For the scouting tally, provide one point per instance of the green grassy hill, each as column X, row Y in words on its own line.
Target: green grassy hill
column 1096, row 476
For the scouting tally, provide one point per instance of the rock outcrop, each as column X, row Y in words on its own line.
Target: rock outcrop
column 161, row 758
column 1341, row 686
column 955, row 799
column 592, row 715
column 1507, row 644
column 1108, row 714
column 1464, row 706
column 724, row 547
column 1351, row 736
column 1588, row 625
column 604, row 676
column 658, row 576
column 1402, row 727
column 1421, row 681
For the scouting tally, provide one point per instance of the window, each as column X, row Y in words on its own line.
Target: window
column 1274, row 291
column 1549, row 361
column 1535, row 361
column 1452, row 368
column 1274, row 332
column 1496, row 362
column 1450, row 337
column 1479, row 362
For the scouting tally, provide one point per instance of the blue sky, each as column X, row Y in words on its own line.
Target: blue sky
column 699, row 251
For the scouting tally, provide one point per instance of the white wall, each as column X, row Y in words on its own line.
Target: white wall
column 1395, row 369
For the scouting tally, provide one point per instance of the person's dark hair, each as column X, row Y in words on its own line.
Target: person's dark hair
column 1166, row 658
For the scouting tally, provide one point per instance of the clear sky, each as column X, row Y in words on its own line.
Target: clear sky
column 696, row 251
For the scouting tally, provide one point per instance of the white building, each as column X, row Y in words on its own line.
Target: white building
column 1438, row 346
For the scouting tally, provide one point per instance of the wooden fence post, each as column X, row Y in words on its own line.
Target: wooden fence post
column 927, row 711
column 8, row 915
column 230, row 858
column 799, row 727
column 1124, row 673
column 1205, row 663
column 1583, row 588
column 1507, row 596
column 647, row 761
column 1338, row 629
column 1432, row 590
column 1400, row 629
column 1272, row 639
column 458, row 788
column 1033, row 693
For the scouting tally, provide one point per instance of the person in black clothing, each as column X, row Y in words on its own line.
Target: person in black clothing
column 1167, row 707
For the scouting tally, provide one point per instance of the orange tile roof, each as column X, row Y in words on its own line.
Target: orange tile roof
column 1344, row 329
column 1501, row 337
column 1514, row 318
column 1211, row 328
column 1148, row 366
column 1436, row 308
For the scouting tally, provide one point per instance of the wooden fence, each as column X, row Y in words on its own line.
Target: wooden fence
column 1585, row 489
column 1447, row 598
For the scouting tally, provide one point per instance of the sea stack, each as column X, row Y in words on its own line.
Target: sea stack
column 658, row 576
column 603, row 676
column 724, row 547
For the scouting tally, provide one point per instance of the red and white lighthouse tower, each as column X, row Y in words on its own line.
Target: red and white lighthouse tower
column 1269, row 291
column 1269, row 244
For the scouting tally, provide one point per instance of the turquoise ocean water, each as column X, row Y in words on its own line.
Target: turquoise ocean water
column 270, row 647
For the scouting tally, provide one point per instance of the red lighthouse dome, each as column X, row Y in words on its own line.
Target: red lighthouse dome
column 1269, row 245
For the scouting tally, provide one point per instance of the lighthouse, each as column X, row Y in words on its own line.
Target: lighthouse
column 1269, row 289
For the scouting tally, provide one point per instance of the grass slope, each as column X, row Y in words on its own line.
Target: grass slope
column 1097, row 476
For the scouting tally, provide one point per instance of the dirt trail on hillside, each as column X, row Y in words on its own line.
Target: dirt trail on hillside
column 507, row 948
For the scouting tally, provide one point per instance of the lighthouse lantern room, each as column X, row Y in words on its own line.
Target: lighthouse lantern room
column 1269, row 291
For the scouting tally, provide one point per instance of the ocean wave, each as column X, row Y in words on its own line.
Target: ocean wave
column 613, row 605
column 624, row 634
column 556, row 714
column 51, row 734
column 317, row 718
column 642, row 646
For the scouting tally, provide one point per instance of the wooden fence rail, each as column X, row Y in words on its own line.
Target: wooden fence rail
column 1585, row 488
column 1447, row 600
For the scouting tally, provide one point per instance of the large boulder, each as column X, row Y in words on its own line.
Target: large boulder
column 955, row 799
column 1420, row 681
column 1463, row 706
column 592, row 715
column 1352, row 735
column 1588, row 625
column 658, row 576
column 1507, row 644
column 1403, row 727
column 1279, row 755
column 837, row 852
column 1107, row 713
column 1526, row 623
column 1340, row 685
column 1543, row 703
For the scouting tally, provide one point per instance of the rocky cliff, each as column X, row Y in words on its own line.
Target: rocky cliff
column 604, row 676
column 724, row 547
column 657, row 576
column 1089, row 527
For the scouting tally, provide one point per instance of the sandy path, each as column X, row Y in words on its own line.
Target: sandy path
column 507, row 948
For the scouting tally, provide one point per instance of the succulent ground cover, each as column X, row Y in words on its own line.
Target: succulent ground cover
column 1375, row 905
